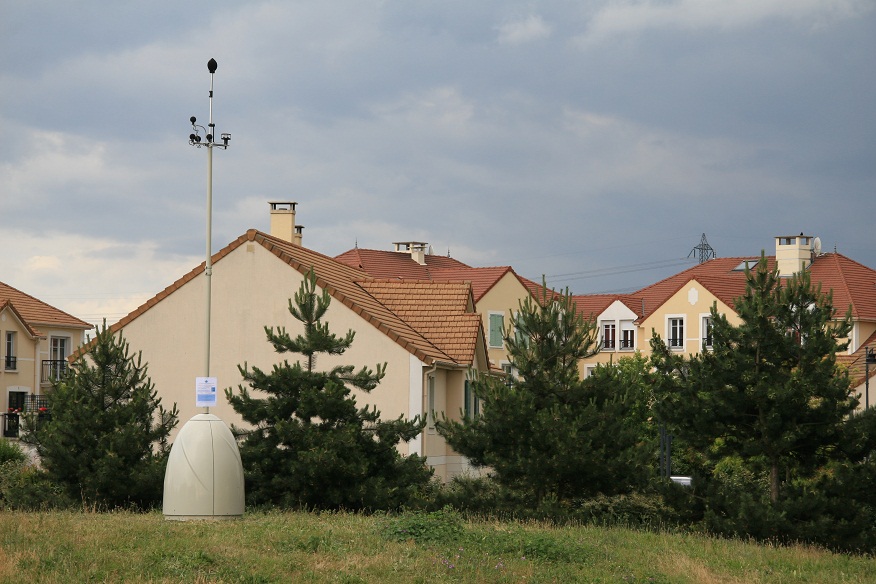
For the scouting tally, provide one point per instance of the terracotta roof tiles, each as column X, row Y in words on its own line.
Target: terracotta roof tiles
column 37, row 313
column 369, row 298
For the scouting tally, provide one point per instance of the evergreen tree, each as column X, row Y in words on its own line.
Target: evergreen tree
column 767, row 407
column 311, row 445
column 547, row 432
column 105, row 440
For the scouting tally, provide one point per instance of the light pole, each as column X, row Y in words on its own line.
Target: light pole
column 869, row 357
column 209, row 142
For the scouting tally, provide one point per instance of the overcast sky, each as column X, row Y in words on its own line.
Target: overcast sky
column 590, row 141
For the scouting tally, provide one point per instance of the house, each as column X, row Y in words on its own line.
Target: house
column 426, row 332
column 37, row 339
column 678, row 307
column 497, row 291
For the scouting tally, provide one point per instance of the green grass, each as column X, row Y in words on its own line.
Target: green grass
column 350, row 548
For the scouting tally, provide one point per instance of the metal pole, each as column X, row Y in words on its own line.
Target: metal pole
column 208, row 262
column 868, row 355
column 208, row 266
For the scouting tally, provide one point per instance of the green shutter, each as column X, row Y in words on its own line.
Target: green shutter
column 497, row 329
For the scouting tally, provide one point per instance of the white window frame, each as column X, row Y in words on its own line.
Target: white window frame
column 705, row 328
column 492, row 343
column 632, row 329
column 670, row 319
column 608, row 344
column 10, row 344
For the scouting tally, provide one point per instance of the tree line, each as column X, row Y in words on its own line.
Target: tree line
column 764, row 421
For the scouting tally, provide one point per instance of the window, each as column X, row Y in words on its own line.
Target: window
column 472, row 404
column 628, row 335
column 10, row 361
column 676, row 333
column 608, row 335
column 497, row 330
column 57, row 364
column 707, row 331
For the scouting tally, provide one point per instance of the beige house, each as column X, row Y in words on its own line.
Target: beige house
column 426, row 332
column 678, row 307
column 36, row 340
column 497, row 291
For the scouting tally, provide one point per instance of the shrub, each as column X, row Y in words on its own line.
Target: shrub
column 24, row 487
column 11, row 451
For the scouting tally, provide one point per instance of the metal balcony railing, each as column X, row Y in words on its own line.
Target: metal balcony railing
column 53, row 369
column 10, row 363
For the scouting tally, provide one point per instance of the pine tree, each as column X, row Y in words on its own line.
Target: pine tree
column 105, row 441
column 767, row 407
column 546, row 432
column 310, row 444
column 769, row 389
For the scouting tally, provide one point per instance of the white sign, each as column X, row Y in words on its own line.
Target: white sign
column 205, row 392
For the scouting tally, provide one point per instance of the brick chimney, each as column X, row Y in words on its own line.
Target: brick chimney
column 283, row 222
column 793, row 254
column 417, row 249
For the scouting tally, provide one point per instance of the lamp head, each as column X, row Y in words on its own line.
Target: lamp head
column 193, row 119
column 212, row 65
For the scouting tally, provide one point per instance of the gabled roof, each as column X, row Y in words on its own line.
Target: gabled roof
column 396, row 264
column 482, row 279
column 439, row 311
column 590, row 306
column 353, row 288
column 37, row 313
column 400, row 264
column 853, row 284
column 7, row 305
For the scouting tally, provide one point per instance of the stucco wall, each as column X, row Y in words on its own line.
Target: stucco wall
column 250, row 289
column 505, row 297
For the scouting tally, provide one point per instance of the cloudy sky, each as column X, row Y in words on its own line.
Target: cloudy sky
column 593, row 141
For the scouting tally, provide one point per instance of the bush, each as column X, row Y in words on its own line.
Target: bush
column 24, row 487
column 11, row 451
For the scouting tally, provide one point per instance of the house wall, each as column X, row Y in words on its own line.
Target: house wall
column 505, row 298
column 449, row 400
column 251, row 288
column 29, row 353
column 691, row 303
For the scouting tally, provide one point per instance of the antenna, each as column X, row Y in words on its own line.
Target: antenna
column 705, row 250
column 816, row 246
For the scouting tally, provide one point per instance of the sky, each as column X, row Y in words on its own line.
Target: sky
column 590, row 142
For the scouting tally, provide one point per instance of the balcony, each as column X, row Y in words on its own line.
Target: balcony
column 53, row 369
column 38, row 404
column 10, row 363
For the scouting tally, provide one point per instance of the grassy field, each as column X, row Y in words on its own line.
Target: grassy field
column 439, row 547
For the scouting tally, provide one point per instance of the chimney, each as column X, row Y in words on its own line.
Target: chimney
column 793, row 254
column 283, row 222
column 417, row 249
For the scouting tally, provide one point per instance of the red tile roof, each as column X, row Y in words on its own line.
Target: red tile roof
column 439, row 311
column 856, row 366
column 396, row 264
column 37, row 313
column 7, row 305
column 851, row 283
column 352, row 287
